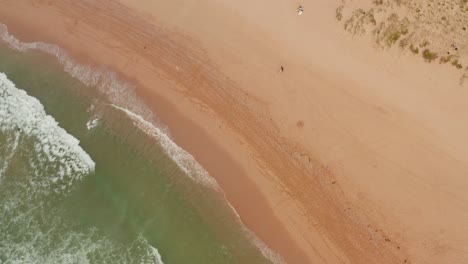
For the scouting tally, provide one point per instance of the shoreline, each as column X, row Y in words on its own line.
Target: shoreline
column 300, row 242
column 228, row 164
column 249, row 201
column 356, row 153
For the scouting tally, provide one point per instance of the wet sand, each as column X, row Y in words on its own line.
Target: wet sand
column 351, row 155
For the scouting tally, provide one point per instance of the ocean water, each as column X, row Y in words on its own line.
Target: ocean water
column 88, row 175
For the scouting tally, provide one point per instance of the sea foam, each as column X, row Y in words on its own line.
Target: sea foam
column 36, row 245
column 10, row 149
column 123, row 97
column 188, row 164
column 121, row 94
column 56, row 162
column 24, row 116
column 107, row 82
column 183, row 159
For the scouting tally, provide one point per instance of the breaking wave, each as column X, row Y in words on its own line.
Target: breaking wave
column 121, row 94
column 187, row 163
column 23, row 117
column 9, row 150
column 123, row 97
column 184, row 160
column 107, row 82
column 38, row 159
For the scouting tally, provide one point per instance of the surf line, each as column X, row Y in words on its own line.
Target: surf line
column 123, row 97
column 196, row 172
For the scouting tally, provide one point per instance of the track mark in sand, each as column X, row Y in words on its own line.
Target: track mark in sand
column 304, row 177
column 378, row 234
column 300, row 124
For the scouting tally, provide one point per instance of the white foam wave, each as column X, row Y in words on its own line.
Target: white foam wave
column 121, row 94
column 187, row 163
column 55, row 148
column 117, row 91
column 155, row 253
column 11, row 148
column 183, row 159
column 269, row 254
column 152, row 253
column 92, row 123
column 266, row 251
column 123, row 97
column 85, row 247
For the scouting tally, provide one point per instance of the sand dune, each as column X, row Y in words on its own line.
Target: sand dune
column 352, row 154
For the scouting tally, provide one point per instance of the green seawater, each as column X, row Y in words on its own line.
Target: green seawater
column 135, row 206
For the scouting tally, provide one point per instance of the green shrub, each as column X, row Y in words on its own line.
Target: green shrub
column 429, row 56
column 393, row 38
column 424, row 44
column 457, row 64
column 414, row 49
column 445, row 59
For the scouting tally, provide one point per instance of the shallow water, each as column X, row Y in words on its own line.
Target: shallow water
column 84, row 179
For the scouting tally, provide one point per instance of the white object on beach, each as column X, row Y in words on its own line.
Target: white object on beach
column 300, row 10
column 92, row 123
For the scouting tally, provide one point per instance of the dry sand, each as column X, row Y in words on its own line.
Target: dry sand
column 351, row 155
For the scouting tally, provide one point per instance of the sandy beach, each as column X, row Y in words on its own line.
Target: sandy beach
column 352, row 154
